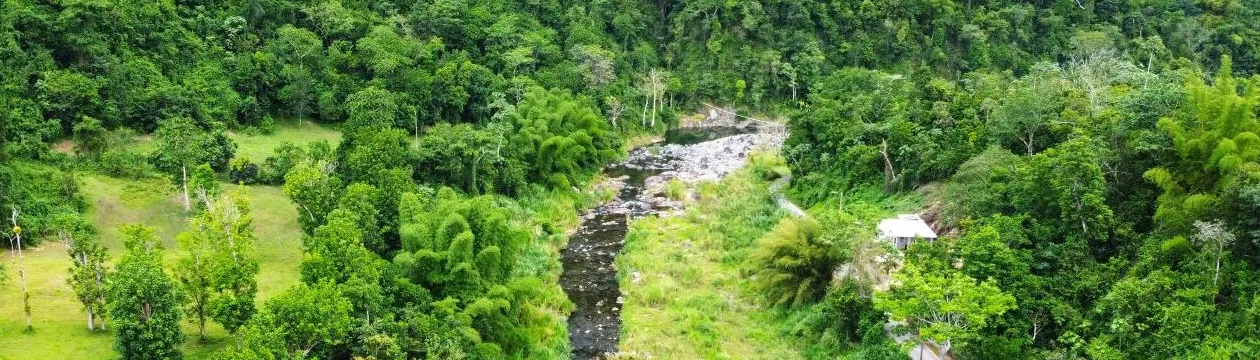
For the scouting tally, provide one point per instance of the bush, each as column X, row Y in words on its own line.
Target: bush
column 122, row 163
column 792, row 266
column 276, row 166
column 242, row 171
column 840, row 319
column 267, row 126
column 675, row 190
column 768, row 165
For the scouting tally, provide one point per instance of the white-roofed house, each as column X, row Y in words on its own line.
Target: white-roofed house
column 904, row 229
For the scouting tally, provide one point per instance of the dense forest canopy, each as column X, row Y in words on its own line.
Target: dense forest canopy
column 1093, row 165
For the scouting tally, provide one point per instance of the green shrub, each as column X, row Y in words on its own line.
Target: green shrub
column 768, row 165
column 123, row 163
column 839, row 320
column 242, row 171
column 267, row 126
column 675, row 189
column 791, row 266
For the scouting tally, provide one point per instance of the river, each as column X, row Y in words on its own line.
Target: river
column 589, row 276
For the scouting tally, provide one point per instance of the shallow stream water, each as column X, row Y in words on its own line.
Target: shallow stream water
column 589, row 277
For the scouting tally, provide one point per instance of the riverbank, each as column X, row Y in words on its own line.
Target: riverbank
column 648, row 182
column 685, row 284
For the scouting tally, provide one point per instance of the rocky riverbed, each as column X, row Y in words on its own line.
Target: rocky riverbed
column 589, row 277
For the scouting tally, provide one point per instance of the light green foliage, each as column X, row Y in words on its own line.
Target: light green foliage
column 1215, row 141
column 182, row 142
column 360, row 199
column 143, row 301
column 335, row 252
column 559, row 137
column 88, row 273
column 219, row 274
column 370, row 110
column 385, row 52
column 202, row 184
column 1024, row 121
column 466, row 250
column 945, row 307
column 685, row 280
column 314, row 188
column 310, row 317
column 256, row 341
column 461, row 246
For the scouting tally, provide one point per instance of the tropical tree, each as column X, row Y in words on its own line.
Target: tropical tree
column 947, row 308
column 309, row 317
column 87, row 266
column 792, row 265
column 315, row 188
column 181, row 144
column 219, row 274
column 1215, row 239
column 143, row 300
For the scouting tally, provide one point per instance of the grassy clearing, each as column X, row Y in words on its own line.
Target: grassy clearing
column 685, row 284
column 60, row 324
column 258, row 148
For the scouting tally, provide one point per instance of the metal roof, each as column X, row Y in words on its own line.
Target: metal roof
column 905, row 226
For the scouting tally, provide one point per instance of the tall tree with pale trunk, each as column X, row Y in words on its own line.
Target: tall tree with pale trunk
column 87, row 266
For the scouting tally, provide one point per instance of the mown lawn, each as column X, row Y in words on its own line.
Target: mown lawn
column 685, row 291
column 60, row 324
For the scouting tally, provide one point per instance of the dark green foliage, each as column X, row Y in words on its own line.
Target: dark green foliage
column 1088, row 126
column 242, row 171
column 41, row 194
column 144, row 304
column 839, row 319
column 181, row 142
column 475, row 160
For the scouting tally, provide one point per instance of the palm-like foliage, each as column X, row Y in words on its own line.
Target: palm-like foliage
column 793, row 265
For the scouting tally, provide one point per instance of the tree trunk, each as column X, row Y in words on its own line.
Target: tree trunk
column 21, row 264
column 91, row 317
column 654, row 96
column 1029, row 143
column 643, row 118
column 187, row 204
column 890, row 173
column 100, row 287
column 1217, row 275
